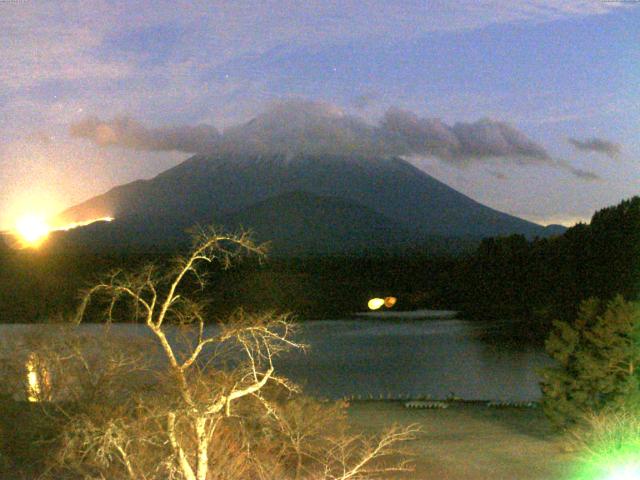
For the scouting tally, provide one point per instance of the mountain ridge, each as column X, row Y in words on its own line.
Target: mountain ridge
column 204, row 189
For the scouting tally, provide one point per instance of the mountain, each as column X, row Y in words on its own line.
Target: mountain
column 345, row 202
column 300, row 222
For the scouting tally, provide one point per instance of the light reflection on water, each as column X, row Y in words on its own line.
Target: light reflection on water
column 376, row 358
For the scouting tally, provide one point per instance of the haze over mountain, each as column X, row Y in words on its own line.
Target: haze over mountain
column 300, row 203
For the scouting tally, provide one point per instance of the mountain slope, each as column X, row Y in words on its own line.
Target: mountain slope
column 300, row 222
column 204, row 189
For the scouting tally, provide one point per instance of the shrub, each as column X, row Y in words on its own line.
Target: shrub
column 596, row 361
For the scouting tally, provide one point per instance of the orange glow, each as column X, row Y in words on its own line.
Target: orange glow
column 73, row 225
column 32, row 230
column 390, row 301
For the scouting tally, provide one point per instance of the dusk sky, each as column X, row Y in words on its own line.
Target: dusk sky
column 561, row 77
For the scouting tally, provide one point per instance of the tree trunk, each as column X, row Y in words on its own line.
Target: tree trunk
column 183, row 463
column 203, row 448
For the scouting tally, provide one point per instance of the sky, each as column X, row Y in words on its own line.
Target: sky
column 534, row 105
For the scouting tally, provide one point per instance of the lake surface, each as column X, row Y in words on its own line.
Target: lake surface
column 402, row 358
column 413, row 359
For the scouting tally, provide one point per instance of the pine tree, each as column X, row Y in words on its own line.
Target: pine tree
column 596, row 361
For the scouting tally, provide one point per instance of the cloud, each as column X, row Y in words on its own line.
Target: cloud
column 462, row 142
column 128, row 133
column 53, row 42
column 580, row 173
column 303, row 127
column 364, row 101
column 598, row 145
column 59, row 40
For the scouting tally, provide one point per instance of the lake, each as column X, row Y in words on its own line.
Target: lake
column 403, row 359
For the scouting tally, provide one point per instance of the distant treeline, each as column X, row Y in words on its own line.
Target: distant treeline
column 545, row 279
column 36, row 286
column 508, row 277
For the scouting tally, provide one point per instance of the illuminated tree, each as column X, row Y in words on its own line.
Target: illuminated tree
column 220, row 410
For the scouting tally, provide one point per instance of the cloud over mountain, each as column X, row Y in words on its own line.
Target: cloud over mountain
column 461, row 142
column 302, row 127
column 128, row 133
column 598, row 145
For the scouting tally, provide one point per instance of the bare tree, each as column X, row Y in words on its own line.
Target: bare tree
column 259, row 338
column 217, row 381
column 355, row 457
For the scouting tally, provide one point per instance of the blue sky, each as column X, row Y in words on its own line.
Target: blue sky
column 551, row 69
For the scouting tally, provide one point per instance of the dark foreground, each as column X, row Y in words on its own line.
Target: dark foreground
column 462, row 442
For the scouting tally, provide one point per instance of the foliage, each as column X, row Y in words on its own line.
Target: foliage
column 87, row 369
column 596, row 361
column 36, row 285
column 543, row 279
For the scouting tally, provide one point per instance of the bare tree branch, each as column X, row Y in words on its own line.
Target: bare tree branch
column 214, row 385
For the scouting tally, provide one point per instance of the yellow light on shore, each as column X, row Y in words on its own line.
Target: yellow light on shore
column 375, row 303
column 38, row 380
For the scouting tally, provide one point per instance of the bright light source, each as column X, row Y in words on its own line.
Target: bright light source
column 32, row 230
column 630, row 471
column 375, row 303
column 390, row 301
column 38, row 380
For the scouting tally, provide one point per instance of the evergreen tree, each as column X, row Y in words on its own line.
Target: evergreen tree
column 597, row 358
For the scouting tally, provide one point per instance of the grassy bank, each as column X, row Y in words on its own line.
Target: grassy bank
column 472, row 441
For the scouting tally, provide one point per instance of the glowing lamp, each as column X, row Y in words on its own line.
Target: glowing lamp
column 390, row 301
column 38, row 380
column 375, row 303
